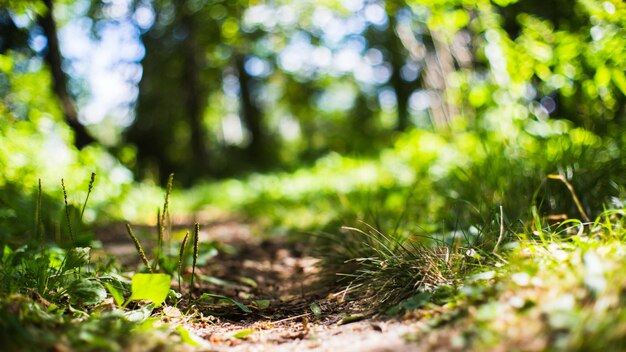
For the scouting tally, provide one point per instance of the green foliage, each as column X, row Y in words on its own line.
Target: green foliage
column 573, row 279
column 470, row 173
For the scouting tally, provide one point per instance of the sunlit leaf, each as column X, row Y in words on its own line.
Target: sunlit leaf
column 351, row 319
column 242, row 334
column 188, row 337
column 116, row 294
column 152, row 287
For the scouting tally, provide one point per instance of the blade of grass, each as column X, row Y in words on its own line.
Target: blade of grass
column 195, row 255
column 181, row 254
column 159, row 248
column 38, row 226
column 501, row 235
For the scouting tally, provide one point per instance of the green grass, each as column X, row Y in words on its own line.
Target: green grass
column 563, row 290
column 55, row 295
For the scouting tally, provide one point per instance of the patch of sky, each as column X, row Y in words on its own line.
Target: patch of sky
column 338, row 97
column 375, row 14
column 257, row 67
column 387, row 99
column 109, row 65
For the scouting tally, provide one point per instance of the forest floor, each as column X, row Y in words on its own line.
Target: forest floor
column 292, row 310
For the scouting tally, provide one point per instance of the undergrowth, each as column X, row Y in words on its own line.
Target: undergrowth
column 56, row 296
column 557, row 288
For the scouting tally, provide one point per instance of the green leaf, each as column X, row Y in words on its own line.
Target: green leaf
column 116, row 294
column 248, row 281
column 6, row 253
column 262, row 303
column 188, row 337
column 417, row 301
column 315, row 308
column 351, row 319
column 242, row 334
column 620, row 80
column 226, row 299
column 152, row 287
column 86, row 291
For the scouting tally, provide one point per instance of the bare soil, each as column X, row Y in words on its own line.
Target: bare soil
column 279, row 281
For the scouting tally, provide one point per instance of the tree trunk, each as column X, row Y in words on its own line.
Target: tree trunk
column 402, row 88
column 59, row 80
column 251, row 116
column 194, row 98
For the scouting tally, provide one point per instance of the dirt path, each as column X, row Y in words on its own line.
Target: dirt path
column 291, row 311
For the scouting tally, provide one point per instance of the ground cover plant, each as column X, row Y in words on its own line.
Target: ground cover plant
column 334, row 175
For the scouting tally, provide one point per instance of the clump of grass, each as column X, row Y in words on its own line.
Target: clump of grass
column 140, row 251
column 390, row 268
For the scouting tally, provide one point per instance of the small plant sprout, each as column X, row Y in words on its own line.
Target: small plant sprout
column 89, row 189
column 159, row 248
column 38, row 224
column 67, row 211
column 195, row 254
column 162, row 218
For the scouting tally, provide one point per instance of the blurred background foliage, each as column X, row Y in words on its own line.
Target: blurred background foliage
column 308, row 112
